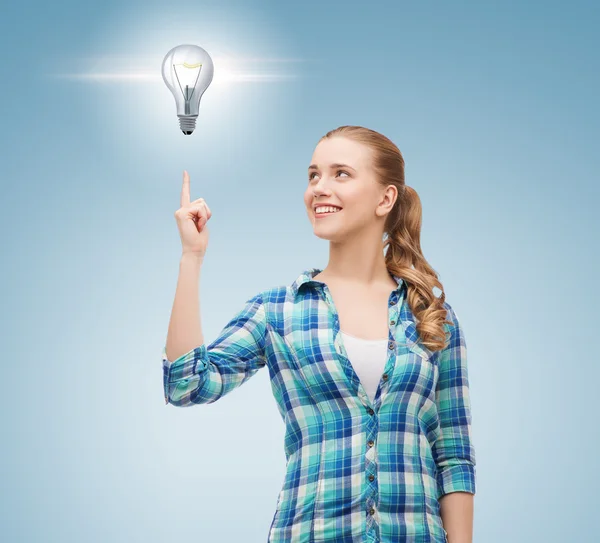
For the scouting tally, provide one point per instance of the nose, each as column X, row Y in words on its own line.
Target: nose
column 320, row 188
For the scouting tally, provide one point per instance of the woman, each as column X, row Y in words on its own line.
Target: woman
column 367, row 366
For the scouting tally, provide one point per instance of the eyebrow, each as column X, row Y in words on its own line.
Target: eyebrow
column 331, row 166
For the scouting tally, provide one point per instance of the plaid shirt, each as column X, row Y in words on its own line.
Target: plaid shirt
column 357, row 471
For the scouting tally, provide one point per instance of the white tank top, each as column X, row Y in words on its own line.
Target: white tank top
column 368, row 358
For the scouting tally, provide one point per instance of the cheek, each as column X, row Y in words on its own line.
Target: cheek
column 307, row 199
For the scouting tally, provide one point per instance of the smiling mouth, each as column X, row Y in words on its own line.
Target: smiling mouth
column 326, row 213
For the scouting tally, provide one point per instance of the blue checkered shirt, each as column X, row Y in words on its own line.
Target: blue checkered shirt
column 356, row 471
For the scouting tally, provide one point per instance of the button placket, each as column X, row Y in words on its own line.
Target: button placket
column 393, row 310
column 371, row 471
column 371, row 452
column 371, row 422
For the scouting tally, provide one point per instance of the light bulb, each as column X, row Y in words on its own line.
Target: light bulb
column 187, row 70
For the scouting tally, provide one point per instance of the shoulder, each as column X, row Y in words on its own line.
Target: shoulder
column 272, row 301
column 268, row 295
column 275, row 294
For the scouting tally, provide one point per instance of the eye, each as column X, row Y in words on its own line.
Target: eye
column 310, row 177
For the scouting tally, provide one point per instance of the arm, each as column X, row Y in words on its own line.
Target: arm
column 204, row 373
column 185, row 329
column 453, row 450
column 456, row 510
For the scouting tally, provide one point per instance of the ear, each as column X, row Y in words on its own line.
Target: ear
column 388, row 199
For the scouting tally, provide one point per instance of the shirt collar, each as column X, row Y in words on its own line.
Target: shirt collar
column 307, row 277
column 405, row 315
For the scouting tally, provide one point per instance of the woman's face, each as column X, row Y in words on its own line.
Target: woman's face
column 340, row 174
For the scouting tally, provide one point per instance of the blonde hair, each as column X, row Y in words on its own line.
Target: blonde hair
column 403, row 230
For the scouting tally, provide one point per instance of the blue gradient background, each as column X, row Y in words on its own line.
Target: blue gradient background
column 494, row 106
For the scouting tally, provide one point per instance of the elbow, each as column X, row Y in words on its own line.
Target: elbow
column 191, row 379
column 194, row 391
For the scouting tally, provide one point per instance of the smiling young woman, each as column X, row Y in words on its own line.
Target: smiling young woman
column 368, row 367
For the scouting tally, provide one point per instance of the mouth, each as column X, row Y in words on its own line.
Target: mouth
column 326, row 213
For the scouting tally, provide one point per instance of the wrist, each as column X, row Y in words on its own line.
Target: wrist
column 192, row 256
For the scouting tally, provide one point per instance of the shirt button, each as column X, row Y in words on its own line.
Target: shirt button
column 393, row 322
column 372, row 511
column 370, row 443
column 391, row 345
column 385, row 376
column 371, row 477
column 370, row 411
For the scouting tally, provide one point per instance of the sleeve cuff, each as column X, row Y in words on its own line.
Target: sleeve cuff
column 187, row 365
column 457, row 478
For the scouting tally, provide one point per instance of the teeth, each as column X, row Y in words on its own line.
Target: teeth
column 327, row 209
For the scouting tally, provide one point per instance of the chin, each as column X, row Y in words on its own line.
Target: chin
column 329, row 236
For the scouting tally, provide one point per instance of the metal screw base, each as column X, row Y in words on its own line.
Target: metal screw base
column 187, row 123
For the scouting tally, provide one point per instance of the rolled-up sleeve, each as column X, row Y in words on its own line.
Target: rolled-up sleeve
column 453, row 450
column 207, row 373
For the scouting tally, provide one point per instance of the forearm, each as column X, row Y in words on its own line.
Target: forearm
column 456, row 510
column 185, row 328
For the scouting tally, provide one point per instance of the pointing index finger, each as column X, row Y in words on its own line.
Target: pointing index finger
column 185, row 190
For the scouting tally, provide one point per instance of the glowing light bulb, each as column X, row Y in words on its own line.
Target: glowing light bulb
column 187, row 70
